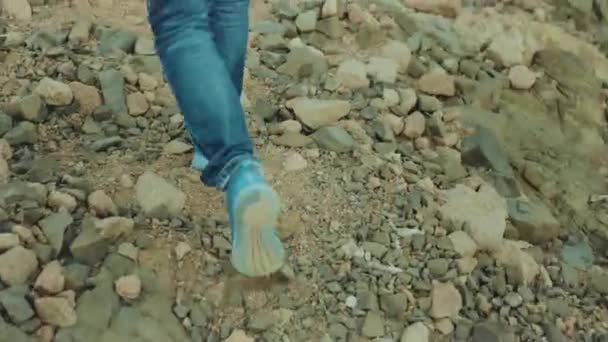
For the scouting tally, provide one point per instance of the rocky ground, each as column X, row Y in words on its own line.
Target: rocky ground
column 442, row 165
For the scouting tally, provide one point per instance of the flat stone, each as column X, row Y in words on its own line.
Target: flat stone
column 112, row 87
column 485, row 212
column 54, row 227
column 492, row 332
column 316, row 113
column 417, row 332
column 23, row 133
column 383, row 69
column 437, row 83
column 352, row 74
column 373, row 325
column 334, row 139
column 157, row 197
column 15, row 304
column 578, row 255
column 446, row 301
column 463, row 244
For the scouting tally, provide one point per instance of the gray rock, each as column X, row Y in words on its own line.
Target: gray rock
column 261, row 321
column 438, row 267
column 394, row 305
column 304, row 62
column 112, row 87
column 105, row 143
column 307, row 21
column 54, row 227
column 23, row 133
column 12, row 333
column 292, row 139
column 598, row 281
column 331, row 27
column 533, row 221
column 145, row 46
column 373, row 325
column 157, row 197
column 578, row 255
column 6, row 123
column 334, row 139
column 89, row 247
column 428, row 103
column 43, row 40
column 19, row 191
column 32, row 108
column 492, row 332
column 554, row 334
column 482, row 149
column 75, row 276
column 14, row 302
column 112, row 41
column 147, row 64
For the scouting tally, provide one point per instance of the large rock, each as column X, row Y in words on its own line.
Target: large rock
column 417, row 332
column 23, row 133
column 437, row 83
column 112, row 86
column 352, row 74
column 54, row 227
column 398, row 52
column 56, row 311
column 17, row 307
column 87, row 96
column 54, row 92
column 17, row 9
column 507, row 49
column 51, row 280
column 157, row 197
column 446, row 301
column 533, row 220
column 304, row 61
column 520, row 266
column 334, row 139
column 17, row 265
column 484, row 211
column 316, row 113
column 383, row 69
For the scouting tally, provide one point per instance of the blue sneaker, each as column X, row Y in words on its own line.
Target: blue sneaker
column 253, row 209
column 199, row 162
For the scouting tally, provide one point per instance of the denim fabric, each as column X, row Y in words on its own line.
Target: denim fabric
column 202, row 46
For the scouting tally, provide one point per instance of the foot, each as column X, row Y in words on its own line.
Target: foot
column 253, row 208
column 199, row 162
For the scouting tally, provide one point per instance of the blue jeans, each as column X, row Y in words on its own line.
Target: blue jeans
column 202, row 46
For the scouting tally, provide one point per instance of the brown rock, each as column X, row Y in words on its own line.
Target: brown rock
column 17, row 265
column 101, row 204
column 46, row 333
column 446, row 301
column 137, row 104
column 51, row 280
column 4, row 171
column 128, row 287
column 56, row 311
column 437, row 83
column 87, row 96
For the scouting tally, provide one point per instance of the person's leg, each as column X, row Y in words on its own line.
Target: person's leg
column 204, row 90
column 229, row 22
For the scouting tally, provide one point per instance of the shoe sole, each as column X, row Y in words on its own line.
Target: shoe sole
column 258, row 250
